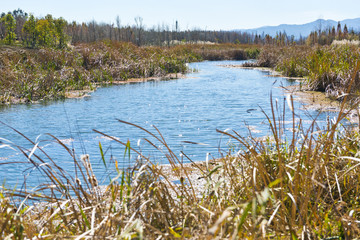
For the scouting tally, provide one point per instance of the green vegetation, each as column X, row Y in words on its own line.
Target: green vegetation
column 21, row 28
column 216, row 52
column 48, row 31
column 10, row 25
column 35, row 32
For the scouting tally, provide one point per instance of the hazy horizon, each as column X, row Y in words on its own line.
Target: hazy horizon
column 209, row 15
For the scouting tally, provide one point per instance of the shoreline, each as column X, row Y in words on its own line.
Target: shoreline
column 273, row 73
column 313, row 100
column 318, row 101
column 82, row 93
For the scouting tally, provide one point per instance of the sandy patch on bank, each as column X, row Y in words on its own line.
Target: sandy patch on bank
column 320, row 102
column 171, row 76
column 313, row 100
column 78, row 93
column 191, row 174
column 85, row 92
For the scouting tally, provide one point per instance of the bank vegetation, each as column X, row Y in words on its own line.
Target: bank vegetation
column 28, row 75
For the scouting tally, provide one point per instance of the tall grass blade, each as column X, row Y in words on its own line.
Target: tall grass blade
column 102, row 154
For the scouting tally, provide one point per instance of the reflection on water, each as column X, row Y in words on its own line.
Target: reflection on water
column 186, row 111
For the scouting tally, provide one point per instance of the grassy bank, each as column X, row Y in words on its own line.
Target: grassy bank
column 217, row 52
column 302, row 187
column 28, row 75
column 327, row 68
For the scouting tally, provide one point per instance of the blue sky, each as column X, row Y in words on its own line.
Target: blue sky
column 210, row 14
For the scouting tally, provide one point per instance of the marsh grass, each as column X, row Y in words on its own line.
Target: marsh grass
column 326, row 68
column 218, row 52
column 28, row 75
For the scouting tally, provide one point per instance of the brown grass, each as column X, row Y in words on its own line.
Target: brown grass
column 28, row 75
column 303, row 187
column 327, row 68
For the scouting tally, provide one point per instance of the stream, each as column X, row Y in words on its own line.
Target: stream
column 186, row 111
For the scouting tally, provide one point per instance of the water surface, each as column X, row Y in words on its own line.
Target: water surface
column 184, row 110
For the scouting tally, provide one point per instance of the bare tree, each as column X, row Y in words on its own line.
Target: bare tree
column 118, row 25
column 139, row 28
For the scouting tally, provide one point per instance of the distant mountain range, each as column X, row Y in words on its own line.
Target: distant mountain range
column 304, row 29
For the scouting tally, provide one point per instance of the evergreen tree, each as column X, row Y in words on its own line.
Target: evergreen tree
column 345, row 31
column 29, row 31
column 10, row 26
column 60, row 25
column 46, row 32
column 338, row 31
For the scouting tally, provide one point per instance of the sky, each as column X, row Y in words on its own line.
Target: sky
column 190, row 14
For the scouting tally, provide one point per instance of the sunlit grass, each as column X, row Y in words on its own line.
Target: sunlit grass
column 305, row 186
column 327, row 69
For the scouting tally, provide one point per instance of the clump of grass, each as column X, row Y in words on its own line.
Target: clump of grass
column 327, row 68
column 300, row 186
column 30, row 75
column 290, row 60
column 121, row 61
column 218, row 52
column 268, row 57
column 330, row 70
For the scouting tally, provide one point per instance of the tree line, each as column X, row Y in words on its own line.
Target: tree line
column 33, row 32
column 160, row 35
column 21, row 27
column 328, row 35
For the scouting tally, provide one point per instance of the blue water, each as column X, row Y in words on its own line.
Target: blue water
column 189, row 109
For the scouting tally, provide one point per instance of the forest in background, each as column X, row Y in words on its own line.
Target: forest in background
column 26, row 29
